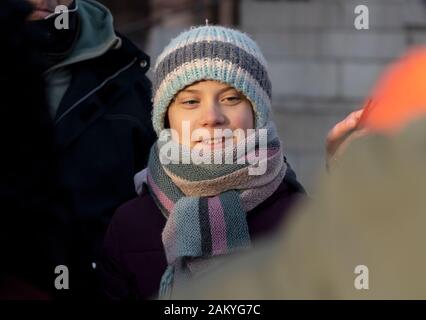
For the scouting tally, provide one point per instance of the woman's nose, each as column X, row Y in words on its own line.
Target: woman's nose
column 212, row 115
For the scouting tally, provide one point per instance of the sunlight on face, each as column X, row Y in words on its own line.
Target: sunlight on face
column 210, row 105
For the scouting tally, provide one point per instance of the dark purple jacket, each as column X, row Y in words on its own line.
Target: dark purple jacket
column 133, row 258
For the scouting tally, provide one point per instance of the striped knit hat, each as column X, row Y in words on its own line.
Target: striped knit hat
column 211, row 53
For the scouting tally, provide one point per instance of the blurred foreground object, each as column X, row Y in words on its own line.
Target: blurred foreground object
column 400, row 95
column 369, row 212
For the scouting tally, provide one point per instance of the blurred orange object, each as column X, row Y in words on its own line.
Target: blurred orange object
column 400, row 95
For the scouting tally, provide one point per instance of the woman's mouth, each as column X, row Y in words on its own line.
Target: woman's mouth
column 214, row 143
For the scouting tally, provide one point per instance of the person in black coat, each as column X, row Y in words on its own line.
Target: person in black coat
column 99, row 99
column 33, row 218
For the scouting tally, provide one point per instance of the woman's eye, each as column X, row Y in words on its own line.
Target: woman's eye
column 190, row 102
column 232, row 100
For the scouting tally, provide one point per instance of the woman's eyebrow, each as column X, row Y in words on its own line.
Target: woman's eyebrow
column 198, row 91
column 227, row 89
column 190, row 91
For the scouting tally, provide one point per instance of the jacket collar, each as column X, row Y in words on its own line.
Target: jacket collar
column 95, row 83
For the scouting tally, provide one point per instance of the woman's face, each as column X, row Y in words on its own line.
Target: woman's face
column 209, row 105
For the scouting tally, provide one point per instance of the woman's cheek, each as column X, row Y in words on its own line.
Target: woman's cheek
column 242, row 120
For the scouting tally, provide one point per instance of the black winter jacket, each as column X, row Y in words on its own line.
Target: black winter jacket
column 103, row 133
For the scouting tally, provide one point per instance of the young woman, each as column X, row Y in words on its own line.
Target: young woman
column 191, row 214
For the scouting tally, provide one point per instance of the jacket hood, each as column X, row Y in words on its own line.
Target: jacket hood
column 97, row 33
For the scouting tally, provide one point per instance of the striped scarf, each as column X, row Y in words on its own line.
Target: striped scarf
column 206, row 204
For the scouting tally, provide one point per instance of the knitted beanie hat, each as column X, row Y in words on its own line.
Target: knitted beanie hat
column 211, row 53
